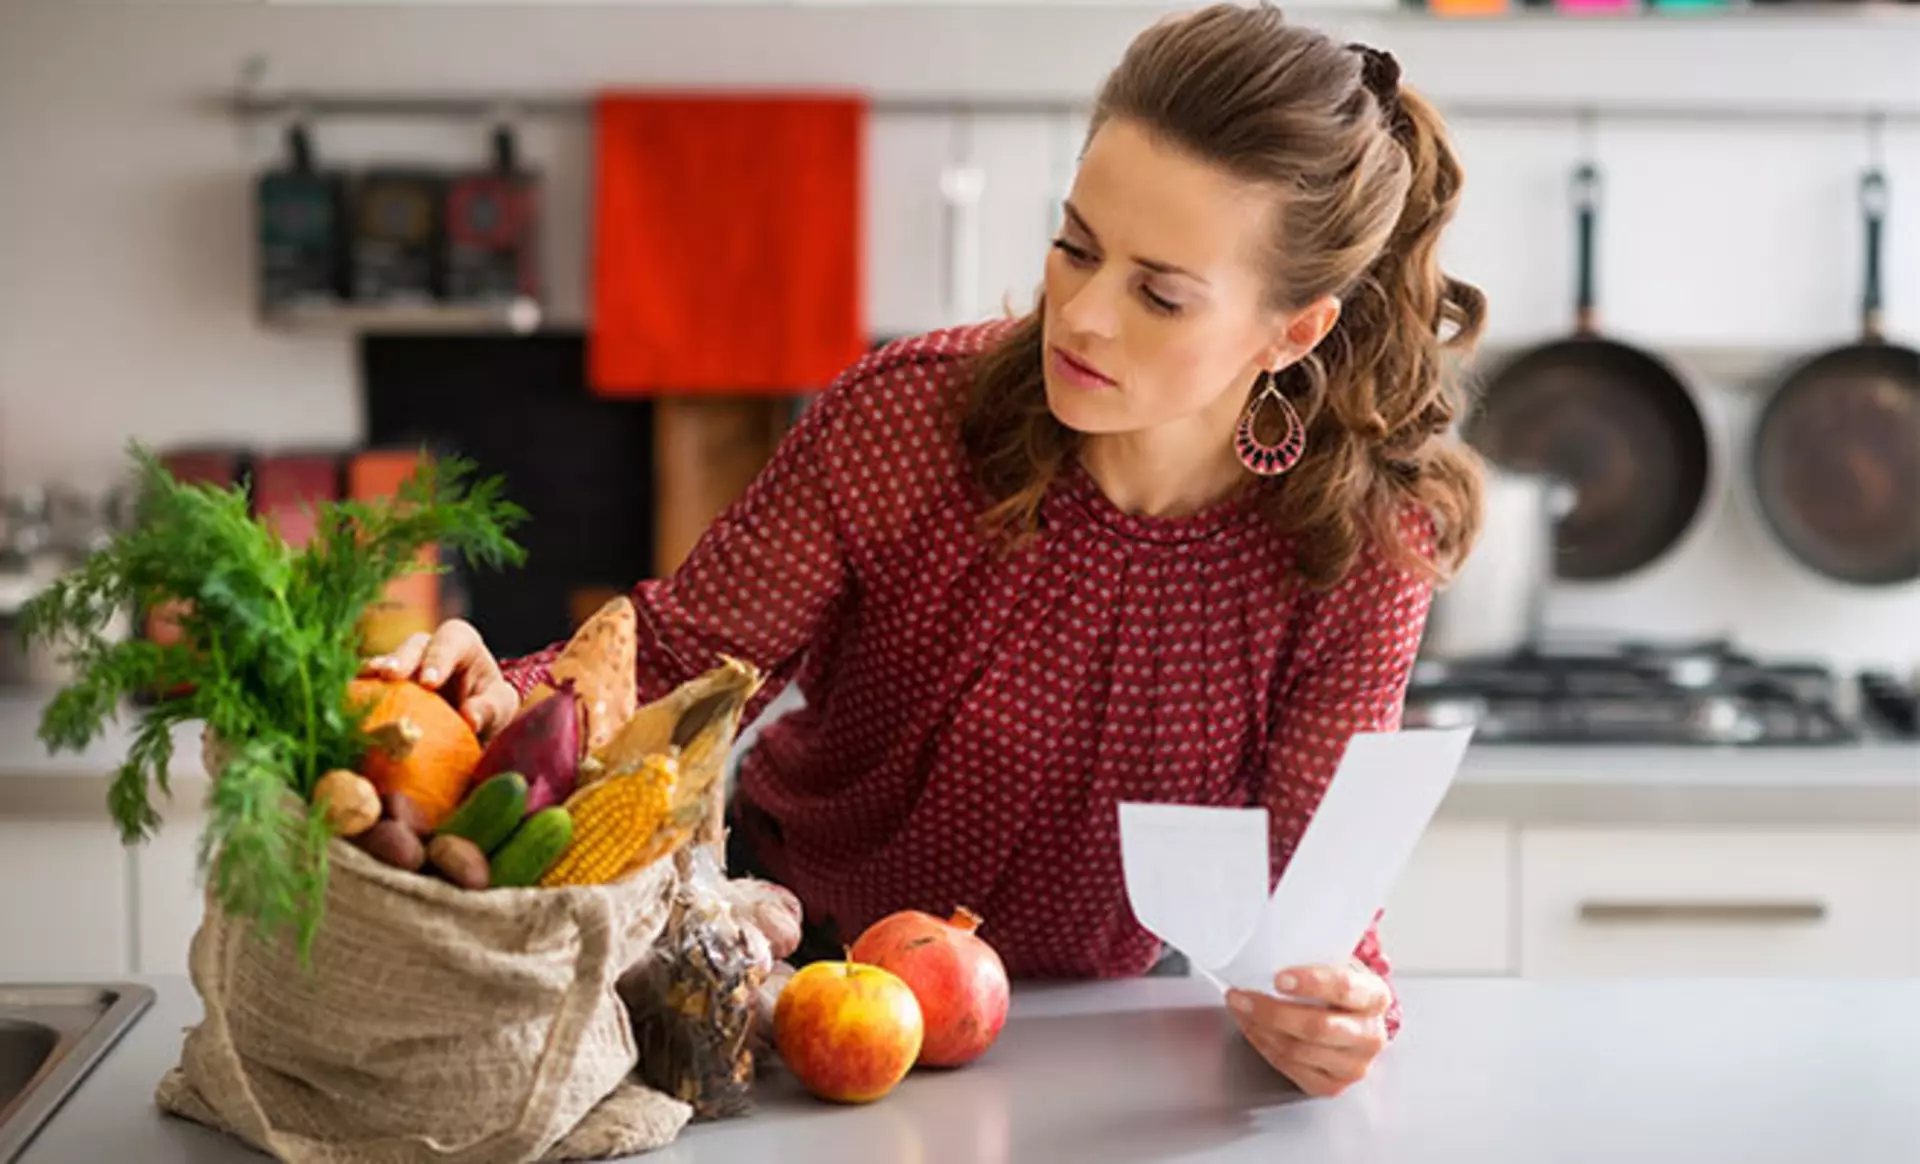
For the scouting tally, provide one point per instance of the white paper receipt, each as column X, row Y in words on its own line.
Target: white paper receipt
column 1197, row 876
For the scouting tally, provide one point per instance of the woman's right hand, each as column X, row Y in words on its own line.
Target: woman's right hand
column 770, row 908
column 455, row 661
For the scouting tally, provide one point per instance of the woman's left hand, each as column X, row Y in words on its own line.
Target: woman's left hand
column 1323, row 1049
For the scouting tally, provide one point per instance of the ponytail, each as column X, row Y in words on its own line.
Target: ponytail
column 1378, row 394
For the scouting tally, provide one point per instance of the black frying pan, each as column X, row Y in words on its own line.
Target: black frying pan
column 1611, row 420
column 1836, row 451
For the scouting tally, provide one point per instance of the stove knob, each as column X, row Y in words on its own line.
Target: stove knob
column 1888, row 702
column 1444, row 713
column 1722, row 720
column 1693, row 671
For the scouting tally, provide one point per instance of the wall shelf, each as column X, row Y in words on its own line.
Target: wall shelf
column 520, row 317
column 1311, row 10
column 320, row 104
column 315, row 104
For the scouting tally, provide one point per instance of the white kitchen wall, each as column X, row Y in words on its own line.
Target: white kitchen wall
column 125, row 261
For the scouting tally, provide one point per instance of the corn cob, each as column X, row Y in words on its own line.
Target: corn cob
column 613, row 821
column 629, row 820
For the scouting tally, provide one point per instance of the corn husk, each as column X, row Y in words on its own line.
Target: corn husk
column 698, row 723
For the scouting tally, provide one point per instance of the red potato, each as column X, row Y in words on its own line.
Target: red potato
column 395, row 844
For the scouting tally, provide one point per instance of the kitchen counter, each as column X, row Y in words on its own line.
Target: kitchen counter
column 1871, row 784
column 1489, row 1071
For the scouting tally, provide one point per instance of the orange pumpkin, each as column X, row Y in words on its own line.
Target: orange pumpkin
column 421, row 745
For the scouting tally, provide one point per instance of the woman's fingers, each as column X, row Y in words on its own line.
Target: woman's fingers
column 1317, row 1070
column 1352, row 988
column 1321, row 1083
column 765, row 1003
column 474, row 683
column 1327, row 1042
column 404, row 660
column 455, row 661
column 1335, row 1062
column 772, row 909
column 1306, row 1022
column 450, row 652
column 454, row 650
column 491, row 708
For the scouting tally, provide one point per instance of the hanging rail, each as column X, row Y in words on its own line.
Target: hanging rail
column 467, row 106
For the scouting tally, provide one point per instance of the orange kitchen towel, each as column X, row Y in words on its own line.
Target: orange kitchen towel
column 727, row 243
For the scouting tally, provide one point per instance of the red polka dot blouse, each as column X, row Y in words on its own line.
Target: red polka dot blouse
column 971, row 715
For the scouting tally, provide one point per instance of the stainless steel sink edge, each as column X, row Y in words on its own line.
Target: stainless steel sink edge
column 72, row 1062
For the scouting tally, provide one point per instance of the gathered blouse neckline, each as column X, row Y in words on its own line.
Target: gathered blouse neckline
column 1078, row 492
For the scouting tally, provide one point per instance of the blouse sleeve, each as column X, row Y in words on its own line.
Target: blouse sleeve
column 760, row 582
column 1356, row 654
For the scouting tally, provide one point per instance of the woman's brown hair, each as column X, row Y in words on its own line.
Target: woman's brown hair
column 1365, row 180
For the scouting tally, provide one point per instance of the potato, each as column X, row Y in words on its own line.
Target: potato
column 398, row 806
column 350, row 801
column 394, row 844
column 460, row 859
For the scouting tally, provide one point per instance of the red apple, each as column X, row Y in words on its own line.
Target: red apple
column 955, row 975
column 849, row 1032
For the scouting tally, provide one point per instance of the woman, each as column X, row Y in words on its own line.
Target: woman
column 1169, row 537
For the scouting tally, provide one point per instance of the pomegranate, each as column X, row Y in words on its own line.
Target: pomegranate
column 955, row 975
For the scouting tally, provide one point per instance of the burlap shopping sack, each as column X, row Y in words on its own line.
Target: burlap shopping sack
column 435, row 1024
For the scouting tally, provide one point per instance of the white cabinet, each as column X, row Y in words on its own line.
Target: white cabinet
column 168, row 897
column 905, row 225
column 961, row 213
column 1483, row 894
column 1545, row 901
column 1451, row 912
column 1748, row 902
column 64, row 906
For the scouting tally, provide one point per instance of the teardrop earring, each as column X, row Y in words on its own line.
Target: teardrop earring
column 1260, row 457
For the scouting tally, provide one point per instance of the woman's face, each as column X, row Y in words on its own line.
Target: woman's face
column 1155, row 311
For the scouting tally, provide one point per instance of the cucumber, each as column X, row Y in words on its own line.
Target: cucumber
column 491, row 812
column 533, row 848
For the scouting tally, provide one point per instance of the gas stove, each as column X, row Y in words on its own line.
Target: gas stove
column 1633, row 693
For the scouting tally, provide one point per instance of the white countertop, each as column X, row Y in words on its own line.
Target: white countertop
column 22, row 754
column 1496, row 1071
column 1875, row 782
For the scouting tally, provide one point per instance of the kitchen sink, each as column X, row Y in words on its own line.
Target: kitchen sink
column 51, row 1037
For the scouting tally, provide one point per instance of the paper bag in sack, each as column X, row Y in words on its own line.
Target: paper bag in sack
column 435, row 1024
column 694, row 1005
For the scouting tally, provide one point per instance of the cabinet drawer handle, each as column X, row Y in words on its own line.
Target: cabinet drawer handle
column 1703, row 911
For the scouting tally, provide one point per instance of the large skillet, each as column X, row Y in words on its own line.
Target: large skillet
column 1611, row 420
column 1836, row 450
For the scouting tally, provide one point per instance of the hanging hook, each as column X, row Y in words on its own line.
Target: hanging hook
column 961, row 184
column 253, row 79
column 299, row 147
column 503, row 137
column 1585, row 119
column 247, row 101
column 961, row 134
